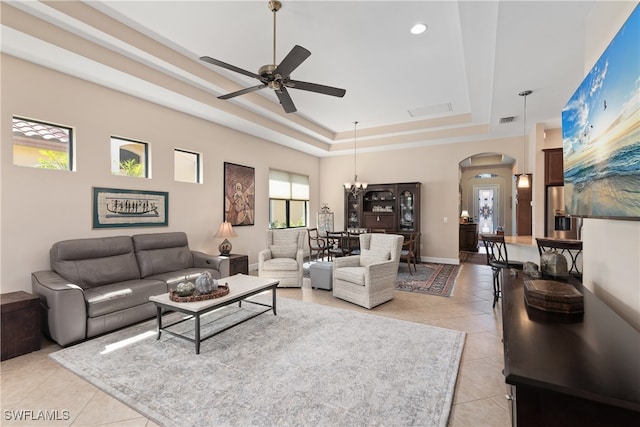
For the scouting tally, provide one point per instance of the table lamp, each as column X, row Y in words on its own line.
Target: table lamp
column 225, row 231
column 465, row 216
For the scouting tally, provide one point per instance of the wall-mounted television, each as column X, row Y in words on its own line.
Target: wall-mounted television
column 601, row 133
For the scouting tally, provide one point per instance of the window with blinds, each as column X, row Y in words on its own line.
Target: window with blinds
column 288, row 199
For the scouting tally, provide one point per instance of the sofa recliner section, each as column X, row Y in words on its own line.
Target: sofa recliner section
column 98, row 285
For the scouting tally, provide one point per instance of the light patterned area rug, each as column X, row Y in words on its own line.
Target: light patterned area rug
column 430, row 278
column 310, row 365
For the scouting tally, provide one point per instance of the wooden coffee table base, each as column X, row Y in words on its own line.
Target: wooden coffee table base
column 241, row 287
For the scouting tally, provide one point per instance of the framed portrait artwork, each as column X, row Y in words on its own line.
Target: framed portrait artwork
column 114, row 207
column 239, row 194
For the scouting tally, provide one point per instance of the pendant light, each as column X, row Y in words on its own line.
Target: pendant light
column 523, row 179
column 357, row 187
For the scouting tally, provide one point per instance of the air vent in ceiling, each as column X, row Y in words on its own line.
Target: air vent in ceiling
column 431, row 110
column 507, row 119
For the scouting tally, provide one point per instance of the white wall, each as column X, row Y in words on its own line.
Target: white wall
column 40, row 207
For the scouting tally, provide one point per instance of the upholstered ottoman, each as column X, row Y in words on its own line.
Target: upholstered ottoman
column 321, row 275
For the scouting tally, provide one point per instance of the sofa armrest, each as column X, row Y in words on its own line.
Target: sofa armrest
column 381, row 274
column 263, row 256
column 346, row 261
column 64, row 312
column 220, row 263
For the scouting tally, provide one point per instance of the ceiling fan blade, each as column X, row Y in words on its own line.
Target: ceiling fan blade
column 314, row 87
column 242, row 92
column 294, row 58
column 229, row 67
column 285, row 100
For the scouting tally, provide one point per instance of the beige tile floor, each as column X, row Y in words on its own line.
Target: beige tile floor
column 35, row 382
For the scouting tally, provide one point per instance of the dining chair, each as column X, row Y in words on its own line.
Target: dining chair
column 571, row 247
column 498, row 259
column 317, row 244
column 336, row 244
column 408, row 252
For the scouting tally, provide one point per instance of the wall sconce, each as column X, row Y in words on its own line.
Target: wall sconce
column 225, row 231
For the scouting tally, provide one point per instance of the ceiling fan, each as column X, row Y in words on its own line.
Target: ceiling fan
column 277, row 77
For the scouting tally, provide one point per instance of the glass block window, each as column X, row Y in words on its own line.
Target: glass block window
column 186, row 166
column 288, row 199
column 129, row 157
column 42, row 145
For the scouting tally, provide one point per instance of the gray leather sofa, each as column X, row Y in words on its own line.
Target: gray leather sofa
column 101, row 284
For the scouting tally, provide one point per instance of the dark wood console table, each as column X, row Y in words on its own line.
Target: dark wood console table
column 569, row 370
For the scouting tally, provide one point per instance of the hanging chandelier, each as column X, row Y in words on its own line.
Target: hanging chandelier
column 356, row 187
column 523, row 179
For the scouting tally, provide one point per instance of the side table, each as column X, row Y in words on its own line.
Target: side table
column 238, row 264
column 20, row 319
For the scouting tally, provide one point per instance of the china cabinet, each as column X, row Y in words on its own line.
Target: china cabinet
column 394, row 208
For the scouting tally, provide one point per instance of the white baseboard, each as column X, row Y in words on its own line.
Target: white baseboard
column 455, row 261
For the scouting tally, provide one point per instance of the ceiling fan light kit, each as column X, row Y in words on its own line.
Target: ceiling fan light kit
column 277, row 76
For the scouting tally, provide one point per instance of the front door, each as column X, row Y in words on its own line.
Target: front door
column 485, row 208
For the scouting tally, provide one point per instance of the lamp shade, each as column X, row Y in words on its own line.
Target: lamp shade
column 464, row 214
column 523, row 181
column 224, row 231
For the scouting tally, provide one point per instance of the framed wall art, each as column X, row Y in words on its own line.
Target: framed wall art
column 239, row 194
column 113, row 207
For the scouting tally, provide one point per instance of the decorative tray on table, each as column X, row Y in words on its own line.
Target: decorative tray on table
column 220, row 292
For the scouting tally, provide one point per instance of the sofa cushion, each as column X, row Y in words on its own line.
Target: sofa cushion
column 162, row 252
column 282, row 264
column 173, row 278
column 122, row 295
column 368, row 257
column 284, row 251
column 96, row 261
column 353, row 275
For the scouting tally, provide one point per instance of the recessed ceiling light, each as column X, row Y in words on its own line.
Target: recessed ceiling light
column 418, row 29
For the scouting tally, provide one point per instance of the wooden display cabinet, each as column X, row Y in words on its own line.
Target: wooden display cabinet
column 394, row 208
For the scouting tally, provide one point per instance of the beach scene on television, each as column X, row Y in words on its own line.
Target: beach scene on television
column 601, row 133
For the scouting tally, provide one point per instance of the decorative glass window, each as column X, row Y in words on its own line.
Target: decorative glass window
column 129, row 158
column 42, row 145
column 288, row 199
column 186, row 166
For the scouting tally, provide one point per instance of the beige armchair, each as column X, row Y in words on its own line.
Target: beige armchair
column 369, row 279
column 284, row 257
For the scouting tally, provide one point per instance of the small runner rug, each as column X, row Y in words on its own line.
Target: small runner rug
column 430, row 279
column 310, row 365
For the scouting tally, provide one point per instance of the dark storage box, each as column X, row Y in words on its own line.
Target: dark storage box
column 549, row 295
column 20, row 318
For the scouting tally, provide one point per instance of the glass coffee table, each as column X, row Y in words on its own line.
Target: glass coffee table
column 241, row 287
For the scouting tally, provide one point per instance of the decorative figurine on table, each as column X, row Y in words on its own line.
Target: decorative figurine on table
column 185, row 289
column 205, row 284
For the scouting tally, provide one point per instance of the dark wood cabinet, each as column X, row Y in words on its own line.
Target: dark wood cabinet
column 394, row 208
column 569, row 369
column 553, row 167
column 20, row 320
column 468, row 237
column 238, row 264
